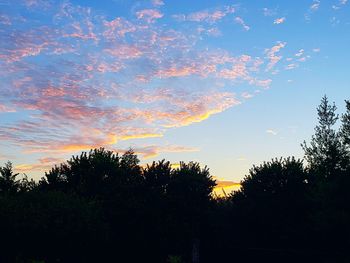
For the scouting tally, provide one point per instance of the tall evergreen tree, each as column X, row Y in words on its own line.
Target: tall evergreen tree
column 345, row 128
column 326, row 153
column 8, row 182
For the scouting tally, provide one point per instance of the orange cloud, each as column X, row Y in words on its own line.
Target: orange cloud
column 141, row 136
column 223, row 188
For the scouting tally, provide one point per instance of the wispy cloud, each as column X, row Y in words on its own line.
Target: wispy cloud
column 149, row 15
column 152, row 151
column 315, row 5
column 272, row 132
column 272, row 55
column 279, row 20
column 312, row 9
column 241, row 22
column 300, row 53
column 157, row 2
column 208, row 15
column 340, row 4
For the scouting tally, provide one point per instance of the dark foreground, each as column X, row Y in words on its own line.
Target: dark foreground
column 103, row 207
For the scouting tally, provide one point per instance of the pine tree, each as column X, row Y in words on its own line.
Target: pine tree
column 345, row 128
column 326, row 153
column 8, row 182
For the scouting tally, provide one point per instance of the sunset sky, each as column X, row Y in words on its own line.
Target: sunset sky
column 226, row 83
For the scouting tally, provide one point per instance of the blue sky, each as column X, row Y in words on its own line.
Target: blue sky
column 226, row 83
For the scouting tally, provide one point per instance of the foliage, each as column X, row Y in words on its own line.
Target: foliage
column 8, row 181
column 345, row 129
column 100, row 206
column 326, row 153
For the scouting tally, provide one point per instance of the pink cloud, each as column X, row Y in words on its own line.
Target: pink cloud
column 279, row 20
column 118, row 27
column 124, row 51
column 153, row 151
column 157, row 2
column 149, row 15
column 78, row 32
column 271, row 55
column 241, row 22
column 4, row 108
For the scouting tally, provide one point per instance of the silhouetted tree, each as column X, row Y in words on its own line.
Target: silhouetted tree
column 326, row 154
column 157, row 177
column 94, row 173
column 8, row 181
column 189, row 196
column 26, row 185
column 280, row 176
column 328, row 158
column 345, row 128
column 273, row 199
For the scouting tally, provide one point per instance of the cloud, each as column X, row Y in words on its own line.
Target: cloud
column 124, row 51
column 157, row 2
column 315, row 5
column 247, row 95
column 118, row 28
column 223, row 188
column 271, row 55
column 4, row 108
column 340, row 4
column 300, row 53
column 241, row 22
column 272, row 132
column 221, row 184
column 279, row 20
column 291, row 66
column 208, row 16
column 149, row 15
column 153, row 151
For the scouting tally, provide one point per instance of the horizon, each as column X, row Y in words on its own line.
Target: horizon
column 226, row 84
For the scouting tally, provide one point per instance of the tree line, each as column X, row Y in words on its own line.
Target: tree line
column 100, row 206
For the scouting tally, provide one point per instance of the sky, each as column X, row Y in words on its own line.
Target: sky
column 229, row 84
